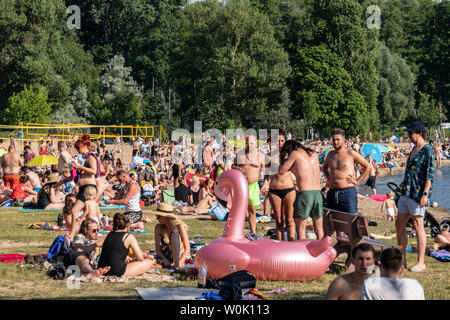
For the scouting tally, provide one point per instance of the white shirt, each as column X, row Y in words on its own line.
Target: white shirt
column 383, row 288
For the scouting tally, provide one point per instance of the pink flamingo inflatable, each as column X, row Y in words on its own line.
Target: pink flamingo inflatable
column 267, row 259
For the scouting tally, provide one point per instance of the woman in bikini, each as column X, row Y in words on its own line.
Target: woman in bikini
column 88, row 174
column 282, row 195
column 171, row 238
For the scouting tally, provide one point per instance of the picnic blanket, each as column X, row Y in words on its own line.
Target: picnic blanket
column 153, row 275
column 177, row 293
column 105, row 207
column 12, row 258
column 441, row 255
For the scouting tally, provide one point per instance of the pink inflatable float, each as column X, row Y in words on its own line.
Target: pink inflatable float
column 266, row 259
column 378, row 197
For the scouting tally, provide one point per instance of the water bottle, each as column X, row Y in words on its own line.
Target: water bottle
column 60, row 220
column 202, row 272
column 197, row 240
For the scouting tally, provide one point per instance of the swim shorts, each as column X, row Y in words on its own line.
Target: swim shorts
column 253, row 194
column 371, row 182
column 308, row 204
column 11, row 181
column 409, row 206
column 345, row 200
column 82, row 191
column 134, row 216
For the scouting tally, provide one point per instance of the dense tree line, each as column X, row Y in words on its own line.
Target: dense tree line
column 297, row 64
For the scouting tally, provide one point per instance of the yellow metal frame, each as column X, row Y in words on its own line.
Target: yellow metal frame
column 71, row 128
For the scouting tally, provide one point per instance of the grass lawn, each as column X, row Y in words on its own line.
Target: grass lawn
column 21, row 283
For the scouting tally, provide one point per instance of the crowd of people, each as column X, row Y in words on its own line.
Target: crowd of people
column 285, row 173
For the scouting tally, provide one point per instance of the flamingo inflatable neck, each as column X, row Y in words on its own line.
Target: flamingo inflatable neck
column 235, row 181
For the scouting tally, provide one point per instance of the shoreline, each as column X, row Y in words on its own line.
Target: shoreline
column 384, row 172
column 371, row 208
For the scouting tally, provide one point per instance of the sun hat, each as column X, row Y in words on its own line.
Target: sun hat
column 416, row 125
column 53, row 178
column 165, row 209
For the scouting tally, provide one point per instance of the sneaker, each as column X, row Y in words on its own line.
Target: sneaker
column 417, row 268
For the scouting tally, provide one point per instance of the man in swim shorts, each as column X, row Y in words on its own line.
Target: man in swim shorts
column 308, row 202
column 339, row 169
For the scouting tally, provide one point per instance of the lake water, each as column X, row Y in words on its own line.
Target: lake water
column 441, row 186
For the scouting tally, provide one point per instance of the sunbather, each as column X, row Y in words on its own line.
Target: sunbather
column 116, row 248
column 171, row 238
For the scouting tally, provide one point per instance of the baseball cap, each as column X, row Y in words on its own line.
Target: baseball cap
column 416, row 125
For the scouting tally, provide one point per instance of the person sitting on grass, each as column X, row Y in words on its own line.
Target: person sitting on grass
column 83, row 250
column 348, row 286
column 69, row 202
column 390, row 286
column 171, row 238
column 24, row 191
column 116, row 249
column 50, row 196
column 443, row 237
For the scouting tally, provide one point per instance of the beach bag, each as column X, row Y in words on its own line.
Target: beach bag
column 59, row 247
column 243, row 279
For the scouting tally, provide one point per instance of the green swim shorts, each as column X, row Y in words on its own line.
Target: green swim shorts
column 253, row 194
column 308, row 204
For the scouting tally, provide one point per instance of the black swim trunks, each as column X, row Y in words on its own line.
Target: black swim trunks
column 371, row 182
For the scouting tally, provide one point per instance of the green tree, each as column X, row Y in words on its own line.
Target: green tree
column 434, row 59
column 427, row 110
column 235, row 69
column 29, row 105
column 77, row 110
column 396, row 99
column 324, row 96
column 38, row 49
column 121, row 97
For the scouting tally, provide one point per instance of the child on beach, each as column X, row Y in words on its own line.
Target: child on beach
column 390, row 206
column 91, row 208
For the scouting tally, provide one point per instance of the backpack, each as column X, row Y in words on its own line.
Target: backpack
column 59, row 247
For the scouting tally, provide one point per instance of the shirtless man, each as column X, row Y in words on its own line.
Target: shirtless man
column 339, row 170
column 11, row 163
column 308, row 201
column 371, row 182
column 64, row 159
column 136, row 146
column 34, row 178
column 250, row 165
column 349, row 286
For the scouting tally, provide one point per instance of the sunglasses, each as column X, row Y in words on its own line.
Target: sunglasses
column 94, row 230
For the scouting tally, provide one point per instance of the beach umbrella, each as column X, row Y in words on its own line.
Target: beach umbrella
column 323, row 155
column 382, row 148
column 373, row 151
column 391, row 148
column 43, row 160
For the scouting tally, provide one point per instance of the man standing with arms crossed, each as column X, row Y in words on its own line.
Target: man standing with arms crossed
column 339, row 169
column 416, row 189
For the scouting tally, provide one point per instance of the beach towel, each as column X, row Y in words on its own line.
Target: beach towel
column 12, row 258
column 105, row 207
column 177, row 293
column 441, row 255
